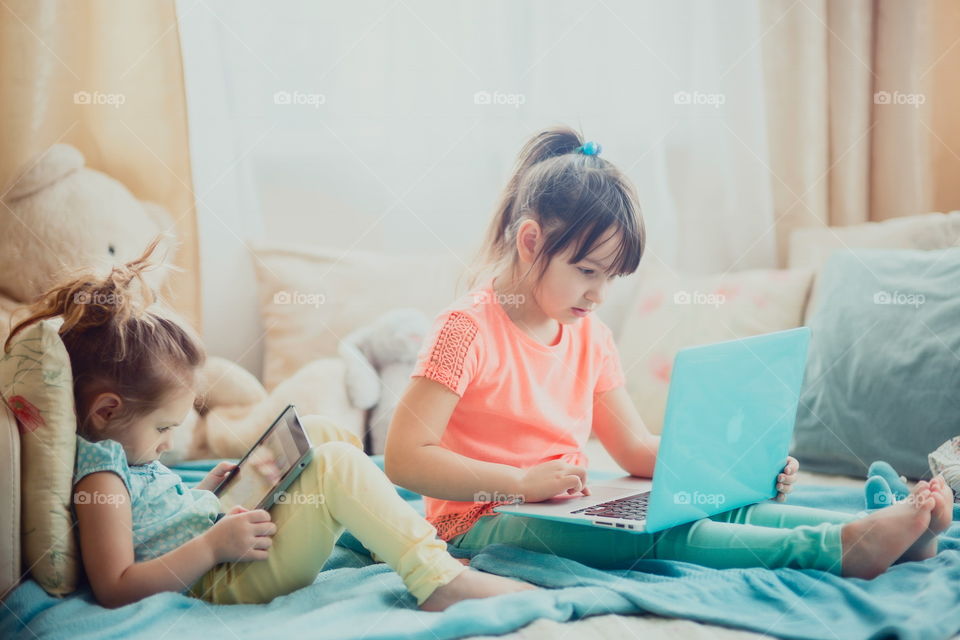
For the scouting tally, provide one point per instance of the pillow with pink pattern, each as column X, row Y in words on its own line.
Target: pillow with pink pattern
column 672, row 311
column 37, row 385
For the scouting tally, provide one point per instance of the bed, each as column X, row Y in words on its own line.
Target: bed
column 354, row 597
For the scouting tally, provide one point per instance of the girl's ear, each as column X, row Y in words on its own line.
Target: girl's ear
column 529, row 236
column 103, row 409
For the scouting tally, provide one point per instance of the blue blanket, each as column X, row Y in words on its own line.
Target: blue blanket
column 355, row 598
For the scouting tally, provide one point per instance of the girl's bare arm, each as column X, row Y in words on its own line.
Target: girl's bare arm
column 414, row 458
column 106, row 546
column 623, row 434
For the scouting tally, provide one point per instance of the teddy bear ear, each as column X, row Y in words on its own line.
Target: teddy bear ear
column 53, row 164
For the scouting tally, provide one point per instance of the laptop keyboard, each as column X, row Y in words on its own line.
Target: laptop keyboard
column 629, row 508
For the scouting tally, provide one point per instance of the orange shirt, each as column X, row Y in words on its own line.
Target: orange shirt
column 521, row 402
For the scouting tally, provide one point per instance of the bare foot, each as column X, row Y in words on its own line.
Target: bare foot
column 471, row 584
column 940, row 518
column 871, row 544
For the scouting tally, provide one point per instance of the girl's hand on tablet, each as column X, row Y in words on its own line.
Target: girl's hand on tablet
column 216, row 476
column 241, row 536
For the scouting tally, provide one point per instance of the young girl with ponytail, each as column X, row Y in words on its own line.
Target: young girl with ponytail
column 518, row 372
column 143, row 532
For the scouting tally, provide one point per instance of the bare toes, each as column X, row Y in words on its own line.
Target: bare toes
column 922, row 500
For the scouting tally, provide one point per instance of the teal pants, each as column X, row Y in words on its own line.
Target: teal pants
column 768, row 534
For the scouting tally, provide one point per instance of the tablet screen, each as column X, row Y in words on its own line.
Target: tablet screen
column 270, row 459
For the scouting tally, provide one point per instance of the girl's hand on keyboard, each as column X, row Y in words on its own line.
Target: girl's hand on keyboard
column 553, row 478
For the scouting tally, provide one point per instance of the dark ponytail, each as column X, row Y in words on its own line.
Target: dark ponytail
column 576, row 199
column 546, row 144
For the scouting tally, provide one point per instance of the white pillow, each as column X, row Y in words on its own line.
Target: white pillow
column 811, row 247
column 311, row 299
column 672, row 311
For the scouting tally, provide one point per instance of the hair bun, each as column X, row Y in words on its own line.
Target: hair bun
column 88, row 301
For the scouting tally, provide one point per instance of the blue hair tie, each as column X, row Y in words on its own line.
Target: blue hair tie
column 589, row 148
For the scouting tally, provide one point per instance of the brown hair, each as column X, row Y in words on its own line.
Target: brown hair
column 118, row 340
column 576, row 198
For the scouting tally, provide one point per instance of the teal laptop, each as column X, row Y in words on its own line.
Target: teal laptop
column 729, row 420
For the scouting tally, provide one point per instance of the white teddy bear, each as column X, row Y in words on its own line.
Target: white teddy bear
column 379, row 359
column 60, row 216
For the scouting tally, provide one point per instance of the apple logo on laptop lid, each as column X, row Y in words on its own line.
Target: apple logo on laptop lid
column 735, row 427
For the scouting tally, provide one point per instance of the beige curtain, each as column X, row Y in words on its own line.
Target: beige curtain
column 50, row 50
column 862, row 102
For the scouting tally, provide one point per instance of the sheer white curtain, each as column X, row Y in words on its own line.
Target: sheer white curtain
column 392, row 125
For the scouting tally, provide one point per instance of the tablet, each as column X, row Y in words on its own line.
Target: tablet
column 271, row 465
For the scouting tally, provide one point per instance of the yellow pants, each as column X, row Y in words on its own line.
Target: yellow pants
column 341, row 488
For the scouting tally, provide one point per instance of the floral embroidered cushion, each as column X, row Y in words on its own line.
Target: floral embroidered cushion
column 672, row 311
column 36, row 384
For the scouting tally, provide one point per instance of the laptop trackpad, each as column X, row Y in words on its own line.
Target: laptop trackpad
column 626, row 483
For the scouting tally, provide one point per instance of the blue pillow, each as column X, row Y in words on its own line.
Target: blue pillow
column 883, row 375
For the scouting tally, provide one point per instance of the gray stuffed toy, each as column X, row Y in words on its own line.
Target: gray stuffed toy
column 379, row 359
